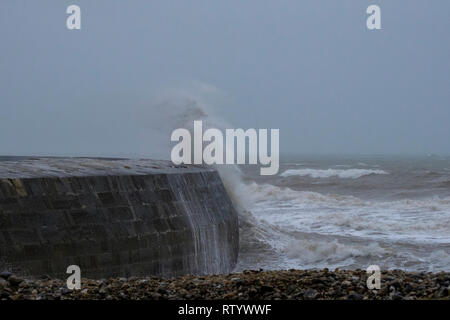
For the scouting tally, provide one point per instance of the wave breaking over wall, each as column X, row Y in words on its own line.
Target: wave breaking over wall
column 114, row 217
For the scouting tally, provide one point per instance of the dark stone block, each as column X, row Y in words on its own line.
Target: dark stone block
column 24, row 236
column 5, row 202
column 106, row 198
column 120, row 213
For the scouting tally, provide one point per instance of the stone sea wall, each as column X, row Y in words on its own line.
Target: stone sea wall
column 114, row 218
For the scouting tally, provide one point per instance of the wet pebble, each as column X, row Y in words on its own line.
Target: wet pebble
column 292, row 284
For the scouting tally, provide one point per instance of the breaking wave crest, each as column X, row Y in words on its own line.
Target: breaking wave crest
column 259, row 193
column 178, row 109
column 328, row 173
column 314, row 252
column 304, row 229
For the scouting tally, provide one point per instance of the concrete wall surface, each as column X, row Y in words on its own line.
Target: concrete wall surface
column 114, row 218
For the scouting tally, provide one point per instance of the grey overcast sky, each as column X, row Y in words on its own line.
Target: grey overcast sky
column 310, row 68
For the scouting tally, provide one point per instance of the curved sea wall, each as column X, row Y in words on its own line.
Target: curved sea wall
column 114, row 218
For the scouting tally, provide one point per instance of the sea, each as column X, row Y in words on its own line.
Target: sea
column 344, row 211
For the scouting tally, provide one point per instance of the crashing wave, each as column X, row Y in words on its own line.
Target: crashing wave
column 328, row 173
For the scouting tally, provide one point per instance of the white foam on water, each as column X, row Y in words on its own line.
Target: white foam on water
column 413, row 220
column 314, row 253
column 328, row 173
column 394, row 234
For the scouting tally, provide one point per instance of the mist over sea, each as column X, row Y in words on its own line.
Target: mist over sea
column 347, row 212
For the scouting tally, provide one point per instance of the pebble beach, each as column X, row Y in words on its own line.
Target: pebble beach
column 247, row 285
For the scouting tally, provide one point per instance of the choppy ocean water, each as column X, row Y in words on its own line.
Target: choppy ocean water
column 346, row 212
